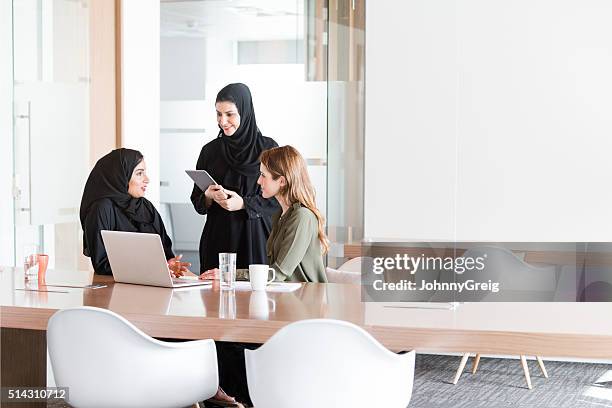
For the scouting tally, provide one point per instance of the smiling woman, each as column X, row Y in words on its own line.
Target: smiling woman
column 137, row 186
column 114, row 200
column 228, row 117
column 238, row 217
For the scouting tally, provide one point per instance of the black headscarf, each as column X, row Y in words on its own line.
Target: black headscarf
column 243, row 148
column 109, row 179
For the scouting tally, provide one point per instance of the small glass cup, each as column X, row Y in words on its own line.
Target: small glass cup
column 227, row 268
column 30, row 262
column 43, row 262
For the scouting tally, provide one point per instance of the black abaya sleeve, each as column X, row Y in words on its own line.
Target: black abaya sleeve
column 197, row 199
column 165, row 239
column 100, row 217
column 256, row 206
column 197, row 195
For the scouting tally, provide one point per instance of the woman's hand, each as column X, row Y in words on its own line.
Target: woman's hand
column 233, row 203
column 210, row 274
column 215, row 192
column 178, row 268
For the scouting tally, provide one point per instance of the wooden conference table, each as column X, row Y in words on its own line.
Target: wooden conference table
column 582, row 330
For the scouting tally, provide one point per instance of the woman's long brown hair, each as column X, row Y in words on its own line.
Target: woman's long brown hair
column 286, row 161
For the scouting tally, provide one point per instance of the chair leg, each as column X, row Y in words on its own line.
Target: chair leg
column 541, row 363
column 464, row 360
column 526, row 370
column 475, row 363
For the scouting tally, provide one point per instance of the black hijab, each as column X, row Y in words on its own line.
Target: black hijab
column 109, row 179
column 242, row 150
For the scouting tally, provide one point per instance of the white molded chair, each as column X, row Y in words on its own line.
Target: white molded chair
column 338, row 276
column 327, row 363
column 354, row 264
column 348, row 272
column 106, row 361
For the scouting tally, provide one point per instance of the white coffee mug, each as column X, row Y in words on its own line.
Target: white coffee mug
column 258, row 275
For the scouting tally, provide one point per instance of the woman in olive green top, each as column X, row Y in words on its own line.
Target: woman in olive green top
column 297, row 242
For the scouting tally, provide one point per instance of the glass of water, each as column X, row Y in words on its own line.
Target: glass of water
column 227, row 266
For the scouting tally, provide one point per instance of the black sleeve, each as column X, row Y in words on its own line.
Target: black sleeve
column 197, row 195
column 256, row 206
column 100, row 217
column 165, row 239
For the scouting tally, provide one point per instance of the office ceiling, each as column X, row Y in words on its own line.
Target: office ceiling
column 233, row 19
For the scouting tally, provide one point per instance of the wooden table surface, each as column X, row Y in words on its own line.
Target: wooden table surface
column 545, row 329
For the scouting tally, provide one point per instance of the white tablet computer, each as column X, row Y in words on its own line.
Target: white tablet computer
column 201, row 178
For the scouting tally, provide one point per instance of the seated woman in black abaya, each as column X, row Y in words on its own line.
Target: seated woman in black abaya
column 114, row 200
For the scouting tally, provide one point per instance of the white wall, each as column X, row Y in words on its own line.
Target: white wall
column 140, row 65
column 489, row 120
column 6, row 135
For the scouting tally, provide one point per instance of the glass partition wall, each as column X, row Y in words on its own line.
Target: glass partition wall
column 50, row 127
column 345, row 125
column 303, row 61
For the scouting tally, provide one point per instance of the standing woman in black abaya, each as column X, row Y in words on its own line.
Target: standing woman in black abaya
column 238, row 217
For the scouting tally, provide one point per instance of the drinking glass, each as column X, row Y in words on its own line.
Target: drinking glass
column 227, row 266
column 30, row 262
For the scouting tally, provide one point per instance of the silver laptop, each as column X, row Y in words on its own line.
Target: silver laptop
column 139, row 258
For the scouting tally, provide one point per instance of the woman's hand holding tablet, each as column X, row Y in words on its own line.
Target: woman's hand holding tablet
column 216, row 192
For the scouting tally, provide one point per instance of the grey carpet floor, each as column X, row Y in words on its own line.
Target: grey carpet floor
column 500, row 383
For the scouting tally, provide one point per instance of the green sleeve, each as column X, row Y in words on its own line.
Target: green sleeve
column 296, row 239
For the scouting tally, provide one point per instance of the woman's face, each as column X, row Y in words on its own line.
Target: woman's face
column 228, row 117
column 269, row 186
column 138, row 183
